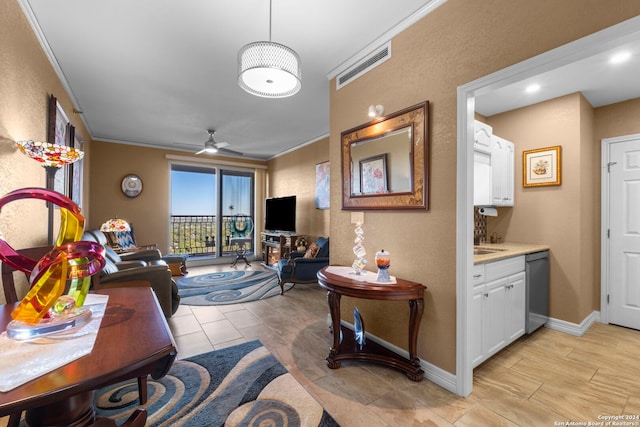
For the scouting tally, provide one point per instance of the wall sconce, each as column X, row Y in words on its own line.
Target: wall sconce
column 375, row 111
column 52, row 157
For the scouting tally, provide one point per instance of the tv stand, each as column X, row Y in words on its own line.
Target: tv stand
column 276, row 244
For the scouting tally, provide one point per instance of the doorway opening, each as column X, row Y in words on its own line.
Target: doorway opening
column 591, row 45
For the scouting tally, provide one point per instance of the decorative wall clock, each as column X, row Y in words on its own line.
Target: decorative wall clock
column 131, row 185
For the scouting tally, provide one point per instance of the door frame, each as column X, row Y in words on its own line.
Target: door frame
column 605, row 255
column 590, row 45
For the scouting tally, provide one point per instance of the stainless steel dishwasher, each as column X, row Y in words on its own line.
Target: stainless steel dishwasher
column 537, row 290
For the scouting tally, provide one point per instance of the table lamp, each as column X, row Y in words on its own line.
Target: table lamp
column 115, row 225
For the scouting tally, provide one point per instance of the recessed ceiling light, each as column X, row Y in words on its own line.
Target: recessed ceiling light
column 533, row 88
column 619, row 58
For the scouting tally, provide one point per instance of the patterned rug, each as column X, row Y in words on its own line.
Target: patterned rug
column 229, row 287
column 243, row 385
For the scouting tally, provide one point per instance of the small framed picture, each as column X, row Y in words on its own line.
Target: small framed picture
column 542, row 166
column 373, row 174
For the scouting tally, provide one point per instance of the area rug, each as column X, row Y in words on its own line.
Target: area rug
column 229, row 287
column 243, row 385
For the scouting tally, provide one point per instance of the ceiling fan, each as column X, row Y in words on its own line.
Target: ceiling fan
column 212, row 147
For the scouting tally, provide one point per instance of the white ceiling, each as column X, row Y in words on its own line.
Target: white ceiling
column 160, row 73
column 599, row 80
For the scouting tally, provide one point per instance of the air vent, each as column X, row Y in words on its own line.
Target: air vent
column 369, row 62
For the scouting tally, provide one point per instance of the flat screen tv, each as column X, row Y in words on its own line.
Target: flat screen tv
column 280, row 214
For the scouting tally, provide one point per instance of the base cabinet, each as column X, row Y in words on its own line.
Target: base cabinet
column 497, row 307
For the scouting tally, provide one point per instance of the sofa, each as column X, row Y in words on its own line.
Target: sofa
column 136, row 268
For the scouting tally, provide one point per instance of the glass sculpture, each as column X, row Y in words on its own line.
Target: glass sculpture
column 70, row 260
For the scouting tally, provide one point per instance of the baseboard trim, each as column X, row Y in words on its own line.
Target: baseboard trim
column 574, row 329
column 432, row 373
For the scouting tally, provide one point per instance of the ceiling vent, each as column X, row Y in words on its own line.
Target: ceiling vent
column 369, row 62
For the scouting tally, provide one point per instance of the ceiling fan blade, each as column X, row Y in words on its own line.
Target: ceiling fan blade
column 201, row 151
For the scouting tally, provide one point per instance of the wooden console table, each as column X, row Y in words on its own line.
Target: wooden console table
column 347, row 348
column 133, row 341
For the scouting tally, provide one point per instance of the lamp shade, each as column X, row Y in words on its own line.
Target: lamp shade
column 115, row 225
column 269, row 70
column 50, row 155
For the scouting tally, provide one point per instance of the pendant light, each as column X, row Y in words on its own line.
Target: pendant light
column 268, row 69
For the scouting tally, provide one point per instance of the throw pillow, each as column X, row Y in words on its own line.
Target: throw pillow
column 312, row 251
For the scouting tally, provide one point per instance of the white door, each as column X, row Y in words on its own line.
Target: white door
column 624, row 229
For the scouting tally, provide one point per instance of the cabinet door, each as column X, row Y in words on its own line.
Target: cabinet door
column 515, row 306
column 482, row 137
column 481, row 179
column 498, row 171
column 475, row 333
column 493, row 317
column 509, row 175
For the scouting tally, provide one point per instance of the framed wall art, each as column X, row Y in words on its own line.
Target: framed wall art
column 58, row 131
column 75, row 170
column 542, row 166
column 322, row 186
column 373, row 174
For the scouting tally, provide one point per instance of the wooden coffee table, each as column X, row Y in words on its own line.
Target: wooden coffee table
column 133, row 341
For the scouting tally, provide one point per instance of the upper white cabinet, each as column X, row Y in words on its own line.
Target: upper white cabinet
column 502, row 171
column 482, row 174
column 482, row 137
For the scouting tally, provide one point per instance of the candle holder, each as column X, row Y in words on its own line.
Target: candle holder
column 383, row 261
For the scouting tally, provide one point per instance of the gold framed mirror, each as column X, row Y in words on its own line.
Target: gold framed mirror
column 385, row 162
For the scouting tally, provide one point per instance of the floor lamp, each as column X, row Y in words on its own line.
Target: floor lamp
column 52, row 157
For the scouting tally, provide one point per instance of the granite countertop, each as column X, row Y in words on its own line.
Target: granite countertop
column 505, row 250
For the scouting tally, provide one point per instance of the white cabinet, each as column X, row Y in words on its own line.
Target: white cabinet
column 516, row 314
column 493, row 317
column 502, row 171
column 497, row 308
column 482, row 136
column 481, row 178
column 482, row 174
column 476, row 315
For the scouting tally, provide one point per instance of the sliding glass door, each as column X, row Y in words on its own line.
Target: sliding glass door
column 209, row 207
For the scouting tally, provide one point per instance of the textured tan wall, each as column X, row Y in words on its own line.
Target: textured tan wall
column 26, row 81
column 559, row 216
column 459, row 42
column 149, row 212
column 617, row 120
column 294, row 173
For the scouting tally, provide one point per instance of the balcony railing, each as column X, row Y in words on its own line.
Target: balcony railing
column 196, row 235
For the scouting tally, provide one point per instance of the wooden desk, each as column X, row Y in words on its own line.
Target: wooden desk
column 133, row 341
column 404, row 290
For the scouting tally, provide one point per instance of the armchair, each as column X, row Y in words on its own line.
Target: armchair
column 138, row 268
column 124, row 242
column 302, row 267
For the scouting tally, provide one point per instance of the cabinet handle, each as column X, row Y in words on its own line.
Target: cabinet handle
column 486, row 295
column 477, row 276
